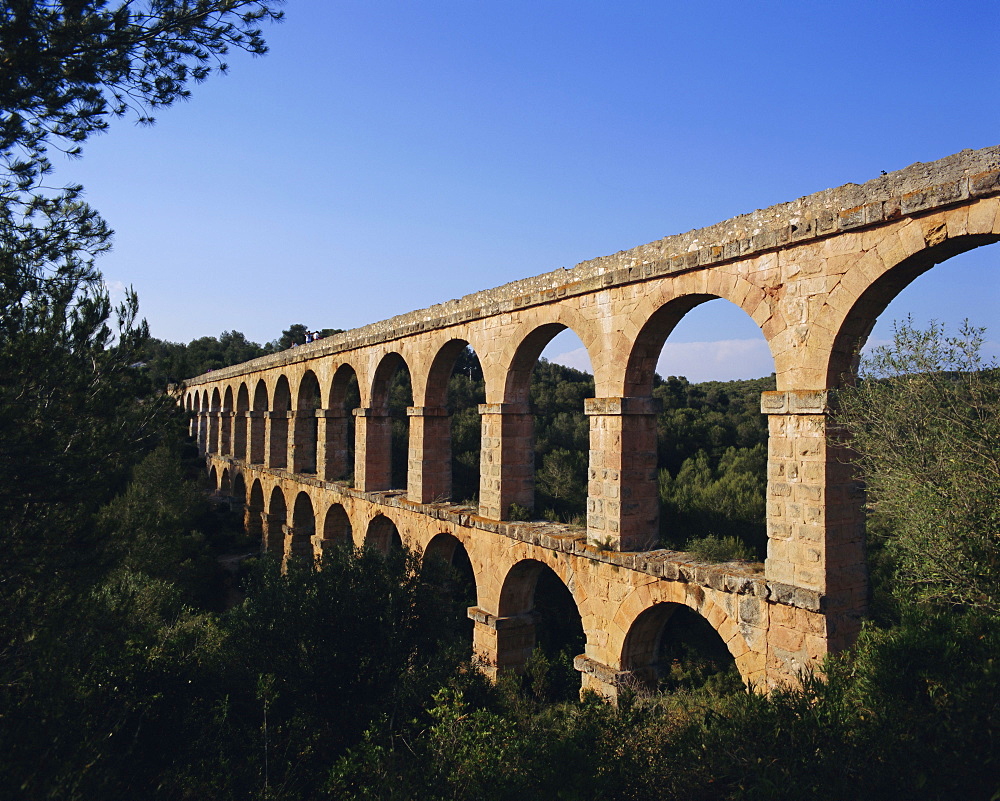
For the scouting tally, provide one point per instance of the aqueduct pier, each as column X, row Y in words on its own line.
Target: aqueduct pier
column 813, row 274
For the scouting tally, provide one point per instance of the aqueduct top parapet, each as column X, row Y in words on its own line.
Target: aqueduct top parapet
column 918, row 189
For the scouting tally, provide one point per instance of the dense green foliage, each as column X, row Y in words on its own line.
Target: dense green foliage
column 933, row 479
column 909, row 715
column 138, row 687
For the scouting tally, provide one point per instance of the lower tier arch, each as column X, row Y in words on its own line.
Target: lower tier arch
column 771, row 631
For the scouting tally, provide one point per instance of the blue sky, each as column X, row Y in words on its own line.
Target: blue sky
column 386, row 156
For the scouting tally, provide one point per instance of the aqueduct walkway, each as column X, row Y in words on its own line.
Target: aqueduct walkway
column 813, row 274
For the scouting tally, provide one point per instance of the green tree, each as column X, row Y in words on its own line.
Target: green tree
column 159, row 527
column 71, row 424
column 726, row 501
column 74, row 413
column 925, row 421
column 295, row 334
column 71, row 65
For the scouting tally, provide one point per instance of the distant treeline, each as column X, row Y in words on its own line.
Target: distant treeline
column 169, row 362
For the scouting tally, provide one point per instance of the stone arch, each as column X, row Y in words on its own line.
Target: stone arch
column 281, row 405
column 460, row 584
column 661, row 632
column 213, row 479
column 638, row 433
column 386, row 370
column 240, row 422
column 226, row 423
column 645, row 352
column 531, row 341
column 344, row 398
column 435, row 472
column 382, row 535
column 340, row 386
column 386, row 437
column 452, row 551
column 337, row 531
column 634, row 636
column 258, row 423
column 857, row 321
column 432, row 388
column 239, row 489
column 215, row 412
column 303, row 526
column 306, row 432
column 509, row 427
column 443, row 546
column 203, row 416
column 225, row 482
column 194, row 409
column 536, row 608
column 254, row 518
column 276, row 523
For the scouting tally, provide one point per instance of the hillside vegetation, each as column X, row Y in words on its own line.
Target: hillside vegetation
column 124, row 672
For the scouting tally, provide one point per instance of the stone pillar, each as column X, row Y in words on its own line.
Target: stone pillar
column 428, row 475
column 601, row 679
column 815, row 525
column 258, row 436
column 274, row 534
column 277, row 440
column 240, row 420
column 213, row 432
column 507, row 462
column 622, row 502
column 302, row 442
column 298, row 542
column 254, row 523
column 226, row 439
column 331, row 444
column 501, row 643
column 202, row 433
column 372, row 450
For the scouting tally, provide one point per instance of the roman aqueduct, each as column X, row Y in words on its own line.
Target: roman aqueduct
column 813, row 274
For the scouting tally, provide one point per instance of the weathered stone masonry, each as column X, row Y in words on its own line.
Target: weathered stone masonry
column 813, row 274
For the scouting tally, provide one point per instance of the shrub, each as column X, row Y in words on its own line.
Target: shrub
column 715, row 549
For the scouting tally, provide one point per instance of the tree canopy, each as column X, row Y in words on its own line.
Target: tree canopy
column 925, row 419
column 71, row 65
column 68, row 404
column 75, row 414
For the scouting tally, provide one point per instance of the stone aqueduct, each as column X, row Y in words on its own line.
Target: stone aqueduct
column 813, row 274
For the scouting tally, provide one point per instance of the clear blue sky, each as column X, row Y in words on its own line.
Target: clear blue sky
column 387, row 156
